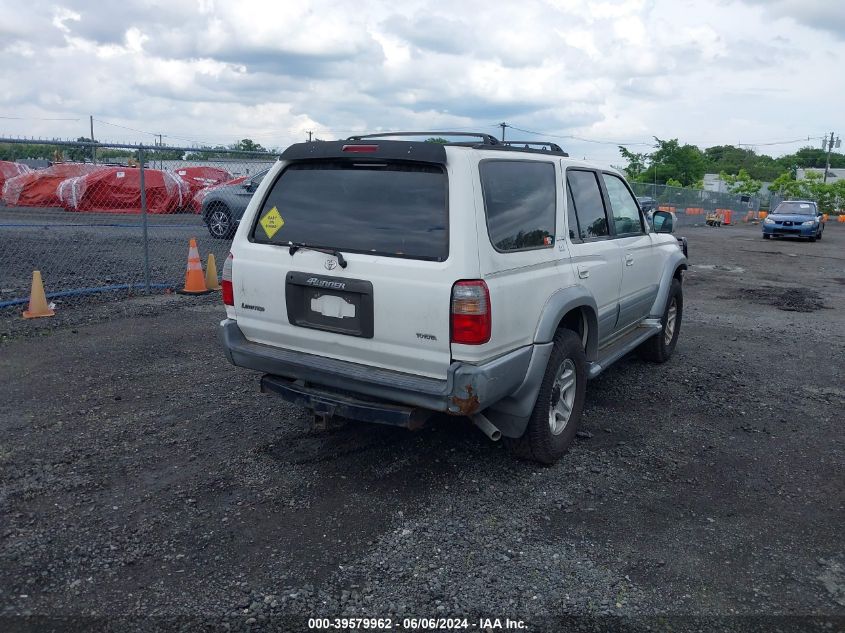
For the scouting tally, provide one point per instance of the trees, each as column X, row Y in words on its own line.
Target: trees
column 248, row 145
column 742, row 183
column 684, row 164
column 636, row 162
column 829, row 196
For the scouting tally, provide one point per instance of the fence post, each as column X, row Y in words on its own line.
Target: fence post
column 144, row 222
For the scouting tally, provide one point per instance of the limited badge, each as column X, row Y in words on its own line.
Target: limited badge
column 272, row 222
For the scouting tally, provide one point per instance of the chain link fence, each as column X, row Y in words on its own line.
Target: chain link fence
column 692, row 206
column 118, row 226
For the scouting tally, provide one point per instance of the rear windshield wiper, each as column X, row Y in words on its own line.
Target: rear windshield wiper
column 295, row 246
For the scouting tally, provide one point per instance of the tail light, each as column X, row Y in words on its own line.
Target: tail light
column 226, row 282
column 360, row 149
column 471, row 314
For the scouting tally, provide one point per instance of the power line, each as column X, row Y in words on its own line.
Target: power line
column 797, row 140
column 131, row 129
column 34, row 118
column 578, row 138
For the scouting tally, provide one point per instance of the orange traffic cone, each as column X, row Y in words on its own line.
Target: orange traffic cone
column 194, row 279
column 37, row 299
column 211, row 280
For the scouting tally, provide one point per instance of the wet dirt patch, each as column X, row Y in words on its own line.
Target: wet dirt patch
column 788, row 299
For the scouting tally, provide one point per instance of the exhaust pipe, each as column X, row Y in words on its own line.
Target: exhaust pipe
column 486, row 426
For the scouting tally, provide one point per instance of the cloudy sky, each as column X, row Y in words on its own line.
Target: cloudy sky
column 587, row 74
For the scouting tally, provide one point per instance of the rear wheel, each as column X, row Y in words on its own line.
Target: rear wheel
column 557, row 412
column 766, row 236
column 219, row 221
column 659, row 348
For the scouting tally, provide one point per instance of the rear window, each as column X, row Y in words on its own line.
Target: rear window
column 519, row 199
column 393, row 210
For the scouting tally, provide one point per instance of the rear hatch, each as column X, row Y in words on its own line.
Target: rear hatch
column 384, row 207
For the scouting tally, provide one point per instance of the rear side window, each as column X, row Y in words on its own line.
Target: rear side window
column 388, row 209
column 519, row 200
column 589, row 206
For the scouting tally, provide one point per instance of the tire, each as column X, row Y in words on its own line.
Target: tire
column 219, row 222
column 819, row 236
column 567, row 365
column 766, row 236
column 812, row 238
column 659, row 349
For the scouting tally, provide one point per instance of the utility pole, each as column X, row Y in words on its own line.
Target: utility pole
column 160, row 156
column 503, row 125
column 93, row 149
column 309, row 136
column 829, row 148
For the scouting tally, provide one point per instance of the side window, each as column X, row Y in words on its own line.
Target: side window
column 589, row 206
column 519, row 200
column 626, row 214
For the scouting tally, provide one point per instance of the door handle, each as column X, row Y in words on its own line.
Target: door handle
column 583, row 271
column 629, row 259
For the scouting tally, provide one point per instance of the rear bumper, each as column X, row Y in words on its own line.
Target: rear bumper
column 467, row 389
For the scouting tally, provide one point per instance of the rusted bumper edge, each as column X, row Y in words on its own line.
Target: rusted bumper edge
column 467, row 388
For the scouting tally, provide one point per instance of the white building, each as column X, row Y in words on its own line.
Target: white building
column 833, row 174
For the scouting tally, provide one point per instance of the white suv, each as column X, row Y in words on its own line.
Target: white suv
column 386, row 280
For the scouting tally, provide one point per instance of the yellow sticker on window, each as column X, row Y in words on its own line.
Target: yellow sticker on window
column 272, row 222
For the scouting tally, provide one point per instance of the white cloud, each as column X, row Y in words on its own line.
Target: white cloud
column 705, row 72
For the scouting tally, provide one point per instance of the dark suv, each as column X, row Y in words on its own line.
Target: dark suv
column 223, row 207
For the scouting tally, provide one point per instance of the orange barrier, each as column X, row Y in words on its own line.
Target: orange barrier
column 37, row 299
column 841, row 218
column 666, row 208
column 194, row 279
column 728, row 214
column 695, row 210
column 761, row 215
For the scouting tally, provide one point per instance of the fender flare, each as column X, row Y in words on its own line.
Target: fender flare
column 559, row 304
column 676, row 262
column 510, row 414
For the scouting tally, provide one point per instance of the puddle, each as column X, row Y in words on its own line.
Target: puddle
column 789, row 299
column 720, row 267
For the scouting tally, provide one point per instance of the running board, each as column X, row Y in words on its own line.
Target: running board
column 623, row 345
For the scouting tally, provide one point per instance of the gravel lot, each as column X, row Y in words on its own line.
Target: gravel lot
column 143, row 476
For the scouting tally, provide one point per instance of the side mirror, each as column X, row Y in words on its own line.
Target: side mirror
column 662, row 222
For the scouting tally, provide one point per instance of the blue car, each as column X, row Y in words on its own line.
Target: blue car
column 796, row 218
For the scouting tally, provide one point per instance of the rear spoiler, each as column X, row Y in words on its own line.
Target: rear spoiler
column 368, row 150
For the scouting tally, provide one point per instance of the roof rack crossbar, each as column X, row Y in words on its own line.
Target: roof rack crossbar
column 486, row 139
column 552, row 146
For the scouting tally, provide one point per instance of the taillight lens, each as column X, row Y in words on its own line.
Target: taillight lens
column 360, row 149
column 471, row 314
column 226, row 282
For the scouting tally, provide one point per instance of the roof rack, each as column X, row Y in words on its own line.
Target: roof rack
column 486, row 139
column 553, row 147
column 481, row 140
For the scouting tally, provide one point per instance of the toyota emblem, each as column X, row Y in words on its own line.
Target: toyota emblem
column 330, row 264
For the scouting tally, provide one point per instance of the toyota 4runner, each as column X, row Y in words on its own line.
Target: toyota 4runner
column 387, row 280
